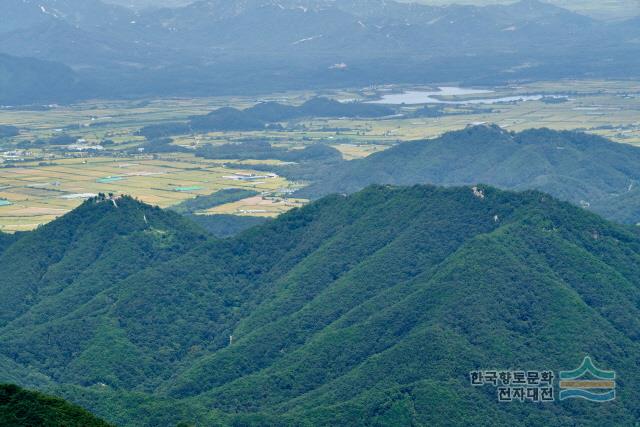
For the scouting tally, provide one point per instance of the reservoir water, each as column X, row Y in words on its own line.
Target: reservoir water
column 415, row 97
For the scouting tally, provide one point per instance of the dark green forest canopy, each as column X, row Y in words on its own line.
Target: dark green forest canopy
column 23, row 408
column 584, row 169
column 367, row 309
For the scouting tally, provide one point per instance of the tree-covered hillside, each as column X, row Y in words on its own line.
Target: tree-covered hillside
column 22, row 408
column 101, row 242
column 266, row 114
column 368, row 309
column 584, row 169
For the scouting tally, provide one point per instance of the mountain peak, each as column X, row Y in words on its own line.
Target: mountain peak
column 106, row 237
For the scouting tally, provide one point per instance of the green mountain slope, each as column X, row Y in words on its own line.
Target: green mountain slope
column 368, row 309
column 580, row 168
column 67, row 265
column 20, row 407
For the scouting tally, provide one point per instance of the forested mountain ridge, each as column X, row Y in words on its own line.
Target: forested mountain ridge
column 368, row 308
column 581, row 168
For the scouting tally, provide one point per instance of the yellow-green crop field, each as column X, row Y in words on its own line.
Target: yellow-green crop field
column 257, row 206
column 39, row 194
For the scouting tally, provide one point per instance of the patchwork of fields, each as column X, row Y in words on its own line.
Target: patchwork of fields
column 38, row 194
column 38, row 184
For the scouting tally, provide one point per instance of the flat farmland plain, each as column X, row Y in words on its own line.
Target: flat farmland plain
column 40, row 193
column 40, row 183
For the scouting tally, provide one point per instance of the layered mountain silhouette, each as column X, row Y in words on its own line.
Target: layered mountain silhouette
column 232, row 46
column 367, row 309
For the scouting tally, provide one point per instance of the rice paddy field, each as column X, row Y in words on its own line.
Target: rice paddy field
column 40, row 184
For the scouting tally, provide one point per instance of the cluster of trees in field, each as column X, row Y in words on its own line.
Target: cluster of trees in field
column 370, row 307
column 162, row 130
column 57, row 140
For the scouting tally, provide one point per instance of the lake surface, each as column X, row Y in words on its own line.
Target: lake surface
column 415, row 97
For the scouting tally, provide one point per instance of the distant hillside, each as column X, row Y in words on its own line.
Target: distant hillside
column 369, row 309
column 226, row 119
column 262, row 150
column 584, row 169
column 317, row 107
column 264, row 114
column 611, row 9
column 26, row 81
column 22, row 408
column 140, row 4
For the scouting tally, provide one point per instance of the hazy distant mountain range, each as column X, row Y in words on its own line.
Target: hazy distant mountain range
column 609, row 9
column 615, row 9
column 217, row 46
column 141, row 4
